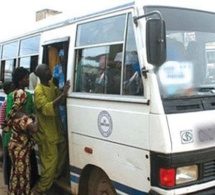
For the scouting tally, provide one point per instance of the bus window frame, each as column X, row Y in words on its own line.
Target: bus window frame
column 78, row 48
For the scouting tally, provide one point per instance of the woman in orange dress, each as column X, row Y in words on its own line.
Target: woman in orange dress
column 20, row 144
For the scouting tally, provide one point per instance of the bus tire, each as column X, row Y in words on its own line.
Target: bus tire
column 100, row 184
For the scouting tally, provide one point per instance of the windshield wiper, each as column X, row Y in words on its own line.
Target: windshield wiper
column 206, row 90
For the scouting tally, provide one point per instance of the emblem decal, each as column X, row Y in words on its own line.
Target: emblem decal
column 186, row 136
column 105, row 124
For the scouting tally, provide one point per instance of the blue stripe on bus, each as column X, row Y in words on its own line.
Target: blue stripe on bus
column 74, row 179
column 75, row 170
column 127, row 189
column 120, row 187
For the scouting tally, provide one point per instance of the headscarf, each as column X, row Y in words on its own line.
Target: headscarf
column 61, row 53
column 19, row 100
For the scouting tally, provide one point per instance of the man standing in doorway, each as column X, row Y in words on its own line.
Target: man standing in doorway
column 52, row 145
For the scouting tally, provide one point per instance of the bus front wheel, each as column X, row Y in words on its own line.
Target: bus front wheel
column 100, row 184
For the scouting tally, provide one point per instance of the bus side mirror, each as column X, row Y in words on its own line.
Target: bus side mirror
column 156, row 41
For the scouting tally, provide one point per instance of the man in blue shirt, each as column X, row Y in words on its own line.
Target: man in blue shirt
column 58, row 76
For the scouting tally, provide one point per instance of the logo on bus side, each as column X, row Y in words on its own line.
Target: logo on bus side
column 105, row 124
column 186, row 136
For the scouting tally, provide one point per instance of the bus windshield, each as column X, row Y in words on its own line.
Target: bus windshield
column 189, row 69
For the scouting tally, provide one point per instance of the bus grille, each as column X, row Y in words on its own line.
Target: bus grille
column 209, row 171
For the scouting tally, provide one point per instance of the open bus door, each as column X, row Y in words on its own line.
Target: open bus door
column 51, row 57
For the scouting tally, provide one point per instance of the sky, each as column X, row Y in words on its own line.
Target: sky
column 16, row 16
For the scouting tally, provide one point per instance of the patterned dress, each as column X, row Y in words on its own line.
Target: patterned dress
column 29, row 109
column 19, row 148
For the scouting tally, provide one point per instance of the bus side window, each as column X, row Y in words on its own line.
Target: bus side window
column 99, row 69
column 132, row 80
column 96, row 70
column 86, row 72
column 132, row 84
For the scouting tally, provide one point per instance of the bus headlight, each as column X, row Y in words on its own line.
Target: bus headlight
column 169, row 177
column 186, row 174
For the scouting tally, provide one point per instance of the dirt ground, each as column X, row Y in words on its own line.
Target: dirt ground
column 3, row 188
column 53, row 191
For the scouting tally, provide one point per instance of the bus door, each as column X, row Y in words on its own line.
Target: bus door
column 53, row 50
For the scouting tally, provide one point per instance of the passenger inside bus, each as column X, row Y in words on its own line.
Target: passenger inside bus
column 101, row 77
column 195, row 55
column 175, row 50
column 58, row 76
column 132, row 84
column 108, row 77
column 33, row 80
column 102, row 73
column 176, row 74
column 98, row 75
